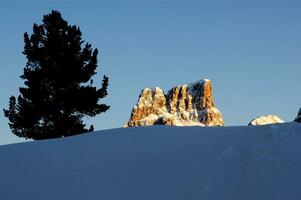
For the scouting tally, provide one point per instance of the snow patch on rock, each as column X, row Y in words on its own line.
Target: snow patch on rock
column 267, row 119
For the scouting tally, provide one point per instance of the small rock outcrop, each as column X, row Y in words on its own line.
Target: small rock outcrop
column 185, row 105
column 264, row 120
column 298, row 118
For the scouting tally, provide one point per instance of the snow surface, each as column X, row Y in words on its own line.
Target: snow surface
column 158, row 163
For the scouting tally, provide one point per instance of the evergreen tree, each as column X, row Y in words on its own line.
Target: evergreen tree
column 59, row 89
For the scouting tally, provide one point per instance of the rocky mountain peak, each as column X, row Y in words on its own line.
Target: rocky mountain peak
column 298, row 118
column 183, row 105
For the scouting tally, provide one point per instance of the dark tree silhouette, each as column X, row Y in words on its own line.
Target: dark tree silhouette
column 58, row 90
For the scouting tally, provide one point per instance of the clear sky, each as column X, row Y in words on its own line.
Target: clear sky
column 251, row 50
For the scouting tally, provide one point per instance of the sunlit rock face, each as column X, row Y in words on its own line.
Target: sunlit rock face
column 298, row 118
column 267, row 119
column 185, row 105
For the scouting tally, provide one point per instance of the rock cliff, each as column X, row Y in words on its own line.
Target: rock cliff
column 185, row 105
column 298, row 118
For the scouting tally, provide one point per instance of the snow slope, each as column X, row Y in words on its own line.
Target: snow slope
column 158, row 163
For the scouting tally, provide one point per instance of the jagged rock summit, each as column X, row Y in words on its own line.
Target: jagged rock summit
column 298, row 118
column 267, row 119
column 185, row 105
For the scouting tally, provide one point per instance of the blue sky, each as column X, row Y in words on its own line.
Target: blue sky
column 251, row 50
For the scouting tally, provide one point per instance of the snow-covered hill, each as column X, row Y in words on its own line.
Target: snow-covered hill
column 158, row 163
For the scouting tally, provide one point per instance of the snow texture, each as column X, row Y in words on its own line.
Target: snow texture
column 158, row 163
